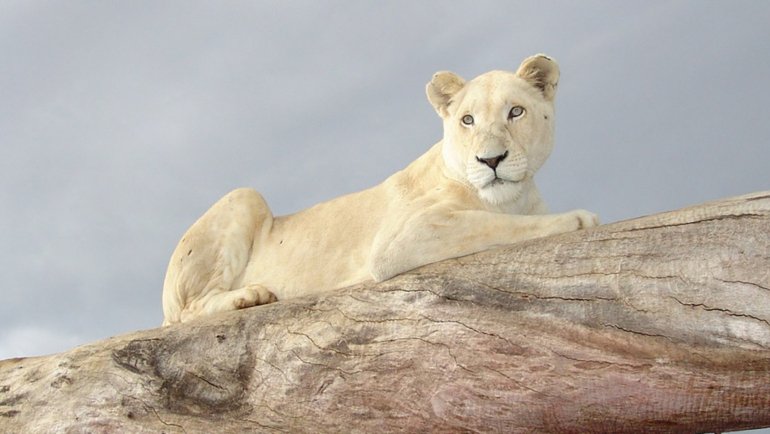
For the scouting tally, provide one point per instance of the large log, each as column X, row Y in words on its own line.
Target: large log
column 658, row 324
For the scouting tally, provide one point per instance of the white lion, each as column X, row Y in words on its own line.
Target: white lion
column 472, row 191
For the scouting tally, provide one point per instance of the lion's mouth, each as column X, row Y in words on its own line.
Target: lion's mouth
column 500, row 181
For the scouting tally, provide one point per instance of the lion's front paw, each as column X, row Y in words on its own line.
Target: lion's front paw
column 253, row 295
column 584, row 219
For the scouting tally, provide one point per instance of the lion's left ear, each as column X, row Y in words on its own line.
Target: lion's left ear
column 441, row 89
column 542, row 72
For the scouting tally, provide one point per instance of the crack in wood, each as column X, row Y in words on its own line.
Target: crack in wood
column 604, row 362
column 324, row 365
column 743, row 282
column 518, row 383
column 160, row 419
column 636, row 332
column 462, row 324
column 719, row 309
column 205, row 380
column 673, row 224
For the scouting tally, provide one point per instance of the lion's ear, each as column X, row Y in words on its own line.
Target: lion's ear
column 542, row 72
column 441, row 89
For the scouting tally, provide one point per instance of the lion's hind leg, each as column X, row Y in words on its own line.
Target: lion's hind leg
column 212, row 254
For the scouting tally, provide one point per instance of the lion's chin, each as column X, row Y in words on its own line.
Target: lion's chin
column 501, row 191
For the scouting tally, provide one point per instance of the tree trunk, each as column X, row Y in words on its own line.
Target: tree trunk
column 658, row 324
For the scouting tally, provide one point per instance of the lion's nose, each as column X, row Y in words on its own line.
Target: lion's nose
column 494, row 161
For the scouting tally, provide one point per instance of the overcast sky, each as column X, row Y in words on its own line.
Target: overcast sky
column 121, row 122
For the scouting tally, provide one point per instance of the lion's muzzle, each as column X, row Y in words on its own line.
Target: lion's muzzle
column 493, row 162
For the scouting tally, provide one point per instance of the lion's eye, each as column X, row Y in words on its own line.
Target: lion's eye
column 467, row 120
column 516, row 112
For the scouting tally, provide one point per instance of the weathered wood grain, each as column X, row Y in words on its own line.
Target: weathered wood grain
column 657, row 324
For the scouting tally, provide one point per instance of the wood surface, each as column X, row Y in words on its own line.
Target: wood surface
column 657, row 324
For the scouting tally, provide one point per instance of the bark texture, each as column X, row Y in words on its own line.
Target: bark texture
column 657, row 324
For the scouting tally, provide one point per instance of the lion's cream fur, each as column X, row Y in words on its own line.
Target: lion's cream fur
column 448, row 203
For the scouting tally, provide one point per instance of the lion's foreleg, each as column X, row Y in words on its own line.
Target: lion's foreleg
column 431, row 238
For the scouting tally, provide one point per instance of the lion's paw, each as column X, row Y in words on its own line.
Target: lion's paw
column 253, row 295
column 584, row 219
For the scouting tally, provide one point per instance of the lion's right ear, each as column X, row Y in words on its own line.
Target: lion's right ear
column 441, row 89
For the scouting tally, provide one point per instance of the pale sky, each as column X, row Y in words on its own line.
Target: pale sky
column 121, row 122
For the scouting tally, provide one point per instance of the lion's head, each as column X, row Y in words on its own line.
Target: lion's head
column 498, row 127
